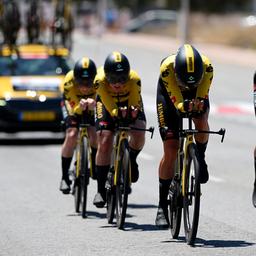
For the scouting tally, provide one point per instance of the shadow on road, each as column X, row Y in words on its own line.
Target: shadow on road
column 213, row 243
column 222, row 243
column 142, row 206
column 130, row 226
column 90, row 215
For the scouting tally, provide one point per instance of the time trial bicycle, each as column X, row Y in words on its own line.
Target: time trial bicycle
column 118, row 185
column 82, row 170
column 185, row 189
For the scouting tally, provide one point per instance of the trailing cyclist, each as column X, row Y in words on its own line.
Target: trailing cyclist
column 33, row 22
column 117, row 86
column 79, row 96
column 184, row 83
column 10, row 22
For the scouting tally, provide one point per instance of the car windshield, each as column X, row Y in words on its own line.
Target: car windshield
column 27, row 66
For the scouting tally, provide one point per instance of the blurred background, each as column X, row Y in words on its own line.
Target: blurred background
column 230, row 22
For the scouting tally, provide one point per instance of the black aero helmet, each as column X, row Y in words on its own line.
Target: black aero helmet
column 116, row 68
column 84, row 72
column 188, row 66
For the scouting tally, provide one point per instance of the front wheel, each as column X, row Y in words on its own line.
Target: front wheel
column 175, row 208
column 110, row 196
column 191, row 199
column 77, row 193
column 85, row 174
column 123, row 184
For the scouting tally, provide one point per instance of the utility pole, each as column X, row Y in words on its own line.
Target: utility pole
column 254, row 6
column 184, row 21
column 101, row 10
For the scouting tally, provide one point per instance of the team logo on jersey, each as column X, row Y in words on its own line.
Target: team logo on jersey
column 209, row 69
column 99, row 110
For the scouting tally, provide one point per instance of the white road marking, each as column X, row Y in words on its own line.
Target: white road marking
column 216, row 179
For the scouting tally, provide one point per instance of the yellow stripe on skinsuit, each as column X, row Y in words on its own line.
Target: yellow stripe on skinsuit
column 118, row 57
column 85, row 62
column 190, row 58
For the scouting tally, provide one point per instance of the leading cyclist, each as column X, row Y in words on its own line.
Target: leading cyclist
column 184, row 82
column 254, row 99
column 79, row 96
column 117, row 86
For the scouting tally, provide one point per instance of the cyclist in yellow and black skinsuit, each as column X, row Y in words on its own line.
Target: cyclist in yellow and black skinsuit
column 183, row 86
column 79, row 95
column 254, row 101
column 117, row 86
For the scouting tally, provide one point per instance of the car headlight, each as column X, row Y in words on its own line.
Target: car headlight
column 2, row 103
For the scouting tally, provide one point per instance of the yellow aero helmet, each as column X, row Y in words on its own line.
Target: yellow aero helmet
column 84, row 71
column 188, row 66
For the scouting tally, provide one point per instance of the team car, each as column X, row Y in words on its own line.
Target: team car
column 31, row 87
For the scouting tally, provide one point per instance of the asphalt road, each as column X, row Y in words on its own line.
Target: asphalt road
column 36, row 219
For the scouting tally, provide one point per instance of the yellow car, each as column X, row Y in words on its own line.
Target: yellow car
column 31, row 87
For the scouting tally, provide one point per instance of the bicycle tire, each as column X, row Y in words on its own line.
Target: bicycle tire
column 77, row 194
column 191, row 199
column 111, row 204
column 175, row 195
column 175, row 209
column 123, row 183
column 85, row 175
column 77, row 183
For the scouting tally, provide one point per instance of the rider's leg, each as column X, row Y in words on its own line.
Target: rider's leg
column 201, row 123
column 103, row 159
column 66, row 157
column 168, row 121
column 166, row 174
column 93, row 142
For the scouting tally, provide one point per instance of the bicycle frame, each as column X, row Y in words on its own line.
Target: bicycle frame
column 81, row 173
column 121, row 183
column 188, row 139
column 82, row 133
column 120, row 137
column 188, row 186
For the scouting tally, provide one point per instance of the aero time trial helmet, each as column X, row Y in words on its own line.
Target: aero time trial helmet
column 188, row 67
column 116, row 68
column 84, row 72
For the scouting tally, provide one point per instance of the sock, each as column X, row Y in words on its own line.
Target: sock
column 201, row 148
column 102, row 172
column 65, row 164
column 134, row 153
column 163, row 191
column 93, row 155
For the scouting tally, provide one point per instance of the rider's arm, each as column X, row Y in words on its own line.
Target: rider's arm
column 107, row 100
column 70, row 95
column 204, row 86
column 168, row 78
column 135, row 91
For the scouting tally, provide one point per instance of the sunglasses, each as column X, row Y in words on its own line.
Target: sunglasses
column 84, row 82
column 117, row 79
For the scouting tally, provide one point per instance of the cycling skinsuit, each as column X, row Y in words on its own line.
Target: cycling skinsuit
column 72, row 111
column 169, row 95
column 109, row 100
